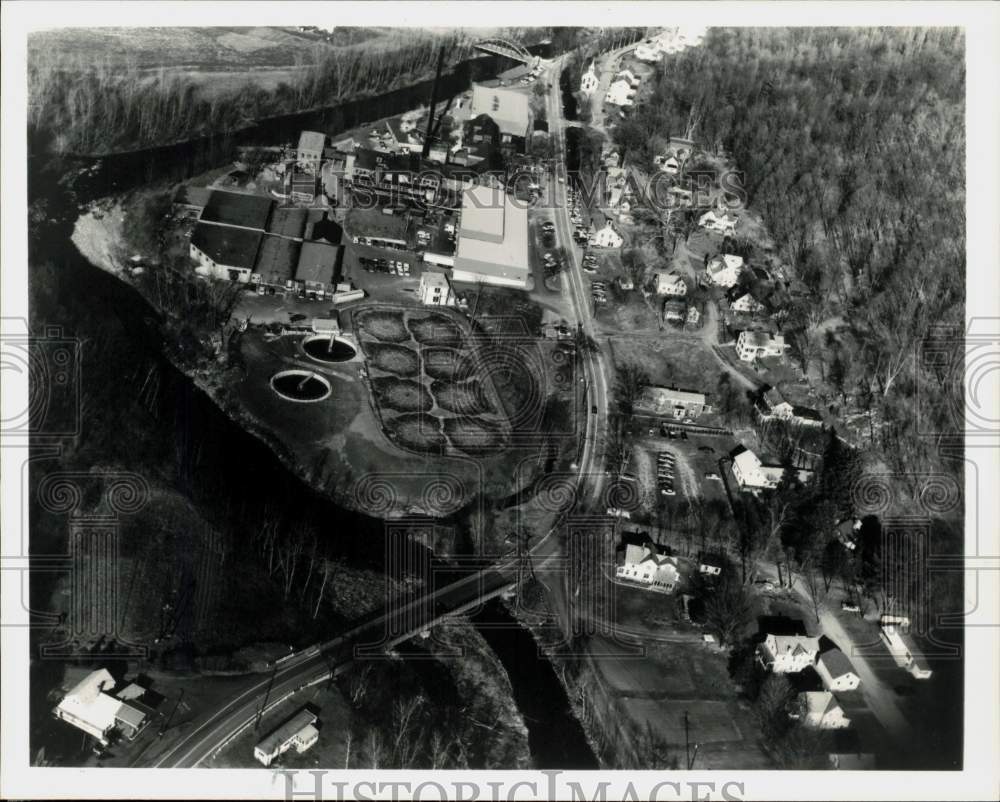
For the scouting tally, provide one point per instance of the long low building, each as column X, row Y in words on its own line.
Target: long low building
column 675, row 403
column 298, row 732
column 492, row 239
column 226, row 252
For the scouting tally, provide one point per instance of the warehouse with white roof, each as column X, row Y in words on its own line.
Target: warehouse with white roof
column 492, row 239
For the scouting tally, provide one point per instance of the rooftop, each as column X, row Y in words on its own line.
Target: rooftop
column 312, row 141
column 318, row 262
column 192, row 196
column 233, row 247
column 662, row 394
column 237, row 209
column 276, row 259
column 507, row 107
column 493, row 236
column 286, row 731
column 287, row 221
column 837, row 663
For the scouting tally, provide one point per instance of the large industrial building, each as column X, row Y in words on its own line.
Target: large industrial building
column 492, row 239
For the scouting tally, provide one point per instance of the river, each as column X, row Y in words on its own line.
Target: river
column 224, row 470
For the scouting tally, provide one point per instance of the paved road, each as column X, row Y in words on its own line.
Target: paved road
column 218, row 726
column 879, row 696
column 592, row 461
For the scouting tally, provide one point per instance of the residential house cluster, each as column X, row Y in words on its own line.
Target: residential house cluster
column 772, row 405
column 797, row 653
column 93, row 706
column 673, row 40
column 622, row 89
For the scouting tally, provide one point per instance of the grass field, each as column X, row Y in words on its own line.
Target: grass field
column 216, row 60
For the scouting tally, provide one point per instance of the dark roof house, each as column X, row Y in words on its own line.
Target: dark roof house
column 225, row 245
column 276, row 259
column 318, row 262
column 236, row 209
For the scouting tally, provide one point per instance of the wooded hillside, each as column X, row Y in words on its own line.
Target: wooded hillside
column 851, row 145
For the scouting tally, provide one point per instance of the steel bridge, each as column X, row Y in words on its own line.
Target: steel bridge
column 506, row 48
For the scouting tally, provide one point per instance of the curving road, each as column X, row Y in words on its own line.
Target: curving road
column 592, row 460
column 216, row 727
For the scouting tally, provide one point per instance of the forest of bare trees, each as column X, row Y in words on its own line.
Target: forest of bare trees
column 851, row 147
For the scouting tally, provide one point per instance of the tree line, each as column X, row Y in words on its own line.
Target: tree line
column 850, row 144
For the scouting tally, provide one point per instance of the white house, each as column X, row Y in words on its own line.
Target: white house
column 434, row 290
column 589, row 82
column 903, row 650
column 836, row 671
column 709, row 564
column 645, row 565
column 299, row 732
column 607, row 237
column 669, row 401
column 752, row 474
column 721, row 223
column 648, row 52
column 747, row 304
column 669, row 282
column 620, row 93
column 91, row 707
column 724, row 270
column 631, row 77
column 819, row 710
column 787, row 654
column 751, row 345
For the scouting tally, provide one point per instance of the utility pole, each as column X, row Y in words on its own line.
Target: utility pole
column 267, row 695
column 687, row 742
column 166, row 724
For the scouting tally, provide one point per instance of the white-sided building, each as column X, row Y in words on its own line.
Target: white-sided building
column 645, row 565
column 629, row 76
column 620, row 93
column 89, row 705
column 299, row 732
column 747, row 304
column 724, row 270
column 720, row 223
column 434, row 290
column 492, row 239
column 752, row 475
column 309, row 155
column 677, row 404
column 648, row 52
column 751, row 345
column 606, row 237
column 670, row 282
column 837, row 671
column 589, row 82
column 787, row 654
column 904, row 650
column 819, row 710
